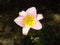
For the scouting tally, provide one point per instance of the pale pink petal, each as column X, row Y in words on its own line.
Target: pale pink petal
column 31, row 11
column 19, row 21
column 39, row 16
column 37, row 26
column 25, row 30
column 22, row 13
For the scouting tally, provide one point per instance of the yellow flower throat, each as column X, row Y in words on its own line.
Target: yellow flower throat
column 29, row 21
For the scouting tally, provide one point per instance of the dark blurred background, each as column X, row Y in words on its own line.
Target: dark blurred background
column 11, row 34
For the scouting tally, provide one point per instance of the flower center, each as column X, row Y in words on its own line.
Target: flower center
column 29, row 20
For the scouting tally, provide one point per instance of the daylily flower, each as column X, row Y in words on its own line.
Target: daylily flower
column 29, row 19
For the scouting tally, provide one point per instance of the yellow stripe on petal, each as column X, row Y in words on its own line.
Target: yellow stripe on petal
column 29, row 20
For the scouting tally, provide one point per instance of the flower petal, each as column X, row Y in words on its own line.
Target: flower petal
column 37, row 26
column 25, row 30
column 19, row 21
column 31, row 11
column 39, row 16
column 22, row 13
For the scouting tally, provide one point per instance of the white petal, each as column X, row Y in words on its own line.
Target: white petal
column 22, row 13
column 39, row 16
column 19, row 21
column 37, row 26
column 25, row 30
column 32, row 11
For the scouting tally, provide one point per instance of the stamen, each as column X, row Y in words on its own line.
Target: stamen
column 29, row 20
